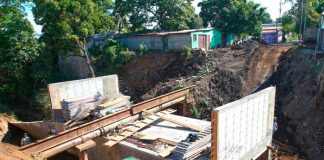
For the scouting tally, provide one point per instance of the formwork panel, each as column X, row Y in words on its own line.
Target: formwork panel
column 106, row 85
column 243, row 128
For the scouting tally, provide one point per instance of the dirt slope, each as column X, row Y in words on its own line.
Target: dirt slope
column 220, row 76
column 300, row 103
column 7, row 151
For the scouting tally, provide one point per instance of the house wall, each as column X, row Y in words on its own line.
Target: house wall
column 215, row 38
column 229, row 39
column 177, row 41
column 152, row 42
column 269, row 37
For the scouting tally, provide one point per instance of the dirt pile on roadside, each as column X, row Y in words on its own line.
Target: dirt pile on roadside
column 300, row 103
column 10, row 152
column 220, row 76
column 4, row 119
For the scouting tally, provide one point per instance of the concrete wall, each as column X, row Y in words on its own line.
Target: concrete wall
column 215, row 38
column 177, row 41
column 152, row 42
column 74, row 67
column 243, row 129
column 311, row 35
column 107, row 85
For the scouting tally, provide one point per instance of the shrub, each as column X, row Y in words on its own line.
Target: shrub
column 143, row 49
column 115, row 55
column 186, row 51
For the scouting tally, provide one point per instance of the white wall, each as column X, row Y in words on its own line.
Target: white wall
column 107, row 85
column 243, row 128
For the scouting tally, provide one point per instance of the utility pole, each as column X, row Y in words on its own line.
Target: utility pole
column 305, row 18
column 280, row 8
column 301, row 10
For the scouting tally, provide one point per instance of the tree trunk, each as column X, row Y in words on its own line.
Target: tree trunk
column 85, row 50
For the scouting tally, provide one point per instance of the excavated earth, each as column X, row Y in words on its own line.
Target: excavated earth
column 220, row 76
column 300, row 103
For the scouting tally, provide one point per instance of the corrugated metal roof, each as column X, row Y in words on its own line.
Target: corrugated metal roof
column 172, row 32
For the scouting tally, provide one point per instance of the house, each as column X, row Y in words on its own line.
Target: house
column 175, row 41
column 272, row 33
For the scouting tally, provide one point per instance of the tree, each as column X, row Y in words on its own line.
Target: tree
column 233, row 16
column 18, row 50
column 267, row 18
column 163, row 15
column 67, row 24
column 292, row 18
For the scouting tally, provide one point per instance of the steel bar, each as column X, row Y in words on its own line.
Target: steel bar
column 67, row 145
column 94, row 126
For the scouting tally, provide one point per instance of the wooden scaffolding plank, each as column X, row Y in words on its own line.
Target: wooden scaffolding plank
column 136, row 126
column 214, row 141
column 164, row 117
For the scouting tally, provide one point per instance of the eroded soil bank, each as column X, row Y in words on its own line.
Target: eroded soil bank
column 220, row 76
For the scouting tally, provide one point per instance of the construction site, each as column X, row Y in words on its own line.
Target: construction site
column 252, row 101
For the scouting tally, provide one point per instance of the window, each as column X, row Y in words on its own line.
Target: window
column 194, row 37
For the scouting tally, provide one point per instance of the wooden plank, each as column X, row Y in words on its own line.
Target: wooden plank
column 86, row 145
column 214, row 141
column 83, row 155
column 113, row 102
column 128, row 132
column 190, row 126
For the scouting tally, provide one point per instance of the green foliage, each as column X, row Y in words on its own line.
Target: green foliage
column 288, row 22
column 41, row 103
column 68, row 24
column 233, row 16
column 202, row 106
column 116, row 55
column 142, row 49
column 291, row 19
column 18, row 50
column 167, row 14
column 181, row 84
column 267, row 18
column 186, row 51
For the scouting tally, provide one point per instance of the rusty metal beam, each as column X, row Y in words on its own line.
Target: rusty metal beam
column 76, row 132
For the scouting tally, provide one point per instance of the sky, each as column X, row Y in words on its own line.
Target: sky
column 271, row 5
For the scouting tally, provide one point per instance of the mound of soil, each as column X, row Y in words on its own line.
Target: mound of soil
column 4, row 119
column 10, row 152
column 220, row 76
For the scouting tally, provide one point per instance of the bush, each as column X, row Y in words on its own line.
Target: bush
column 186, row 51
column 115, row 55
column 41, row 103
column 143, row 49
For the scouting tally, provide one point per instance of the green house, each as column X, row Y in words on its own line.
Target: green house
column 208, row 38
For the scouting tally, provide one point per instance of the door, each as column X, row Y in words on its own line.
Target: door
column 224, row 39
column 203, row 41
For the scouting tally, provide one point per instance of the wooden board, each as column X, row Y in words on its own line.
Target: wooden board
column 136, row 126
